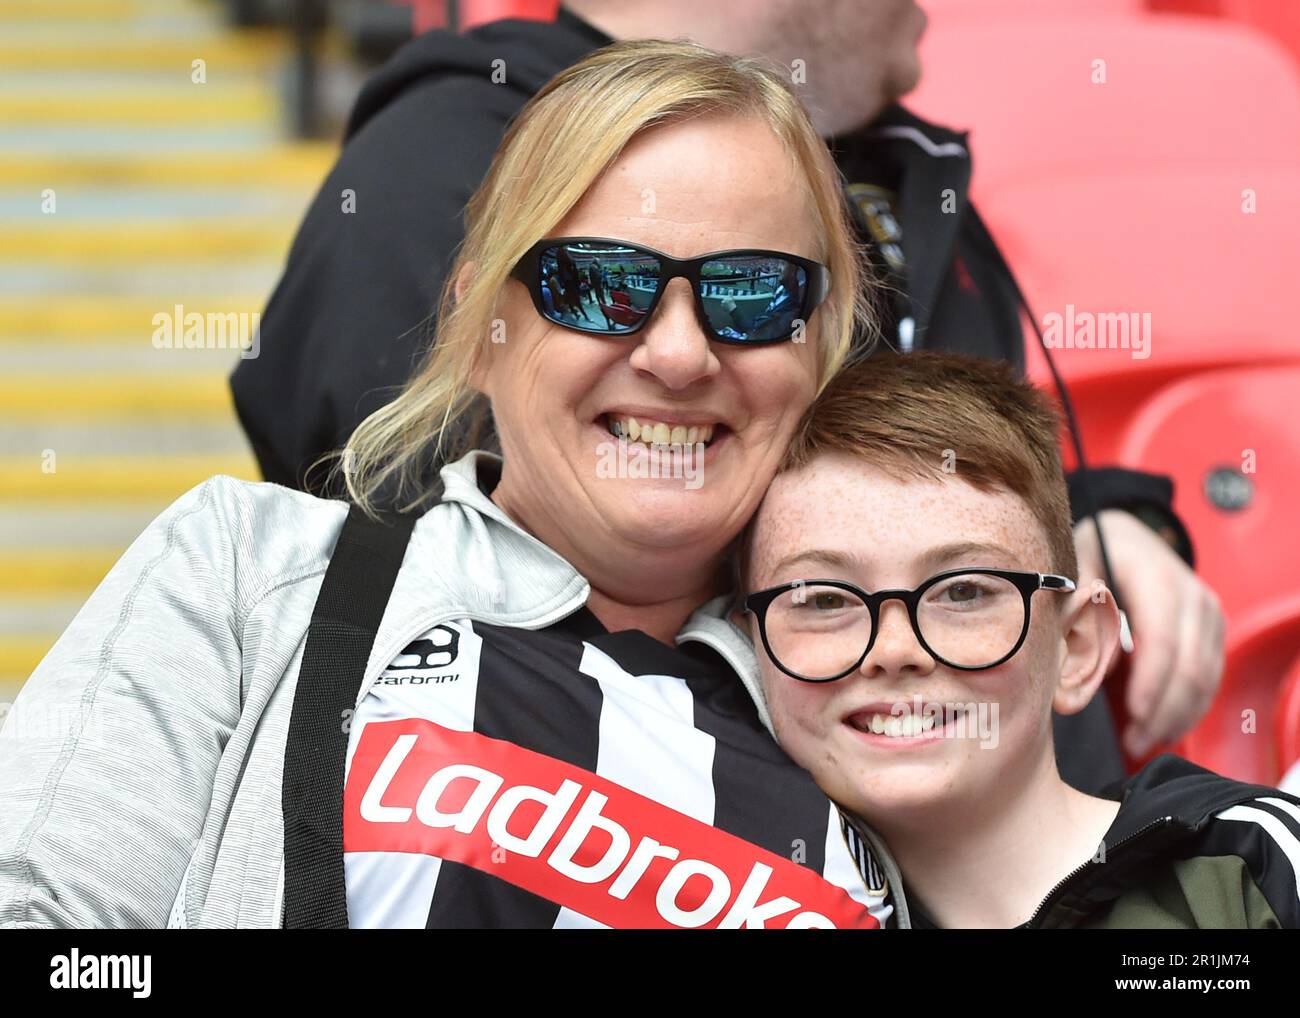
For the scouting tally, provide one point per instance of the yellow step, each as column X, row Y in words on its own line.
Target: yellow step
column 187, row 240
column 19, row 656
column 184, row 104
column 75, row 10
column 159, row 478
column 11, row 682
column 245, row 50
column 108, row 319
column 301, row 167
column 66, row 398
column 48, row 571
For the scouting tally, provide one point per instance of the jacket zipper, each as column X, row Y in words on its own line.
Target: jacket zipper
column 1055, row 891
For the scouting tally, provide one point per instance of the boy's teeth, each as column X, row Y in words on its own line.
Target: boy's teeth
column 658, row 433
column 897, row 727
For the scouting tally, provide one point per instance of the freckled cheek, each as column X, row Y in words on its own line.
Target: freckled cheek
column 798, row 714
column 1036, row 673
column 1007, row 684
column 1022, row 696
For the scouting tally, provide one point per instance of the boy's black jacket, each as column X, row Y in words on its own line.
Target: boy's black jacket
column 1188, row 849
column 353, row 311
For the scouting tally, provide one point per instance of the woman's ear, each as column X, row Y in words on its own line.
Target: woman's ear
column 478, row 372
column 1089, row 642
column 463, row 276
column 479, row 365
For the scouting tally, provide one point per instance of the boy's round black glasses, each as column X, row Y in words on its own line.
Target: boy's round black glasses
column 612, row 287
column 970, row 619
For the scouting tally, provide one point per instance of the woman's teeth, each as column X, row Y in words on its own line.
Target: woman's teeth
column 658, row 433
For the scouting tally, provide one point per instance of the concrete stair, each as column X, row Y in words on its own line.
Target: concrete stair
column 165, row 192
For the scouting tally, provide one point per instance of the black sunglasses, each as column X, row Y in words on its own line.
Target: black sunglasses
column 611, row 288
column 969, row 619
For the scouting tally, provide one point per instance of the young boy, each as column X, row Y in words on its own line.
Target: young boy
column 911, row 577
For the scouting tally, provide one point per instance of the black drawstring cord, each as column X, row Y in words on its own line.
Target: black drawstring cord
column 1076, row 439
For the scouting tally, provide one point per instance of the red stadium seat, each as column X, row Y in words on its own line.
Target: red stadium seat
column 1286, row 720
column 1278, row 18
column 1173, row 245
column 946, row 10
column 621, row 310
column 1179, row 91
column 1226, row 439
column 479, row 12
column 1229, row 440
column 426, row 15
column 1237, row 735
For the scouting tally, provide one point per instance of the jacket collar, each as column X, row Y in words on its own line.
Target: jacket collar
column 1170, row 786
column 504, row 575
column 535, row 51
column 930, row 161
column 1168, row 801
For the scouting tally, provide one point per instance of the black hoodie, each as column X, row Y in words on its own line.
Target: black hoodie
column 1189, row 849
column 354, row 307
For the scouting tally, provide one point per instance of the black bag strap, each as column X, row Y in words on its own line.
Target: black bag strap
column 358, row 583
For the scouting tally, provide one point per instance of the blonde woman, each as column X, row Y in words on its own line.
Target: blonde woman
column 546, row 718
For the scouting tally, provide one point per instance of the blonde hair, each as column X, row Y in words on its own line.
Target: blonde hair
column 552, row 152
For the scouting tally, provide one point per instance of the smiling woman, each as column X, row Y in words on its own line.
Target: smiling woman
column 677, row 152
column 555, row 723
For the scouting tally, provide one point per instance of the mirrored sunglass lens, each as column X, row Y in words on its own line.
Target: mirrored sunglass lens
column 601, row 287
column 973, row 619
column 753, row 297
column 818, row 631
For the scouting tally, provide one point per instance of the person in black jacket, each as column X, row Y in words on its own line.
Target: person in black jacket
column 352, row 312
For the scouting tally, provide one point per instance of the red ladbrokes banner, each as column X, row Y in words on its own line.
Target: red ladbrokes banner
column 571, row 836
